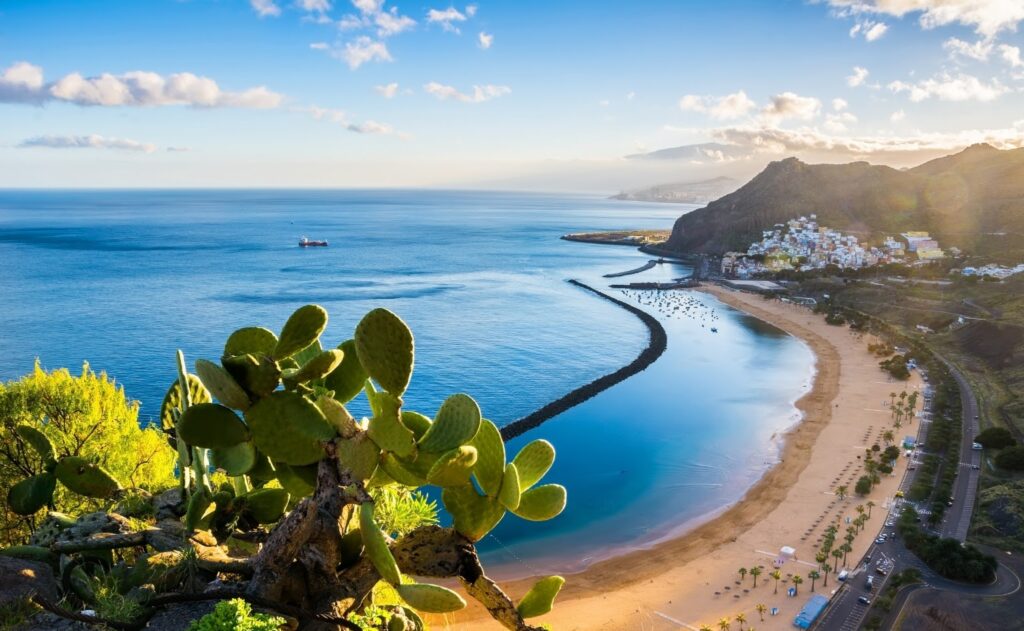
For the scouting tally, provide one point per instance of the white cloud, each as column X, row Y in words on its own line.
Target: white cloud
column 875, row 31
column 23, row 83
column 730, row 106
column 604, row 102
column 387, row 91
column 265, row 8
column 92, row 141
column 391, row 23
column 987, row 17
column 368, row 7
column 485, row 40
column 1011, row 55
column 448, row 17
column 320, row 46
column 352, row 22
column 471, row 10
column 858, row 77
column 978, row 51
column 780, row 141
column 479, row 94
column 363, row 50
column 630, row 96
column 789, row 105
column 839, row 104
column 341, row 118
column 897, row 116
column 178, row 149
column 838, row 122
column 314, row 6
column 947, row 87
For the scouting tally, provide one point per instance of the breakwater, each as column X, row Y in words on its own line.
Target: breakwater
column 636, row 270
column 656, row 344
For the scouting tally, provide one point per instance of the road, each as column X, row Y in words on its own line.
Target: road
column 965, row 489
column 844, row 612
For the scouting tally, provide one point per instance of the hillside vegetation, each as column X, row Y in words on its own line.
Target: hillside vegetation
column 973, row 199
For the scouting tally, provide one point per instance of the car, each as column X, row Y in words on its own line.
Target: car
column 881, row 570
column 864, row 600
column 899, row 493
column 880, row 540
column 869, row 584
column 975, row 467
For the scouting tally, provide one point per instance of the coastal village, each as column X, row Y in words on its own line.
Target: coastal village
column 803, row 244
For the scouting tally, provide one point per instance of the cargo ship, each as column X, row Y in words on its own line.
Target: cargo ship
column 305, row 242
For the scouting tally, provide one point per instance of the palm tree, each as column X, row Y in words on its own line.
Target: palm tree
column 838, row 554
column 841, row 491
column 797, row 581
column 741, row 618
column 846, row 548
column 724, row 624
column 755, row 572
column 888, row 436
column 892, row 399
column 870, row 505
column 743, row 574
column 826, row 568
column 776, row 575
column 814, row 575
column 761, row 608
column 705, row 627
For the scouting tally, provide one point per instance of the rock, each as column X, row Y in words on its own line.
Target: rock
column 47, row 621
column 179, row 616
column 20, row 579
column 169, row 505
column 92, row 523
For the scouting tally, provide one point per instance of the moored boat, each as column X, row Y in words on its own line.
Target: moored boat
column 305, row 242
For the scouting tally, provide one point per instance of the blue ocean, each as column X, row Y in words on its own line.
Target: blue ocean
column 122, row 279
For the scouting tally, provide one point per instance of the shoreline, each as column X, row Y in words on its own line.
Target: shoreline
column 592, row 599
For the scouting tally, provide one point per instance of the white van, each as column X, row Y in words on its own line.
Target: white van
column 842, row 575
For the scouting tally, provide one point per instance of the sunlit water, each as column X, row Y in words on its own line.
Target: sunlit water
column 122, row 279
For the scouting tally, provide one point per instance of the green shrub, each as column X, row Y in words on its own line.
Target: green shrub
column 236, row 615
column 995, row 438
column 1011, row 458
column 88, row 416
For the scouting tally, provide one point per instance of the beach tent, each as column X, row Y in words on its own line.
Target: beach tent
column 810, row 611
column 787, row 552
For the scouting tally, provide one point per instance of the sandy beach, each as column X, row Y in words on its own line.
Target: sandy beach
column 693, row 580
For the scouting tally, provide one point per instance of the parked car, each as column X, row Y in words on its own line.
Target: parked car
column 881, row 570
column 842, row 575
column 870, row 583
column 864, row 600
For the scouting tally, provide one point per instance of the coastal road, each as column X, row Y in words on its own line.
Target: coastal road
column 965, row 489
column 844, row 612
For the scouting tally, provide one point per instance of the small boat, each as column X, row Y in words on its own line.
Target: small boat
column 714, row 329
column 307, row 243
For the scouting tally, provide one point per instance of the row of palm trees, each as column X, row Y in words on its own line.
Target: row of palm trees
column 725, row 624
column 904, row 409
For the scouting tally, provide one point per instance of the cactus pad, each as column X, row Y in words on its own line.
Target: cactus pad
column 212, row 426
column 418, row 423
column 266, row 505
column 454, row 467
column 235, row 460
column 456, row 423
column 289, row 427
column 348, row 378
column 430, row 598
column 85, row 478
column 386, row 428
column 533, row 461
column 257, row 374
column 38, row 440
column 254, row 340
column 172, row 400
column 359, row 454
column 29, row 553
column 163, row 570
column 401, row 471
column 31, row 494
column 319, row 366
column 541, row 597
column 292, row 481
column 386, row 350
column 337, row 415
column 474, row 515
column 377, row 546
column 222, row 385
column 511, row 490
column 490, row 464
column 541, row 503
column 302, row 329
column 200, row 510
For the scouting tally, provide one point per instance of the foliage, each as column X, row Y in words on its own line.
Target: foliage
column 896, row 366
column 400, row 510
column 863, row 486
column 236, row 615
column 995, row 438
column 87, row 416
column 948, row 557
column 1011, row 458
column 109, row 602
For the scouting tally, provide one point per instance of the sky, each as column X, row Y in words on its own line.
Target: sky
column 525, row 94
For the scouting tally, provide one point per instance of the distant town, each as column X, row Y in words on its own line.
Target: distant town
column 802, row 244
